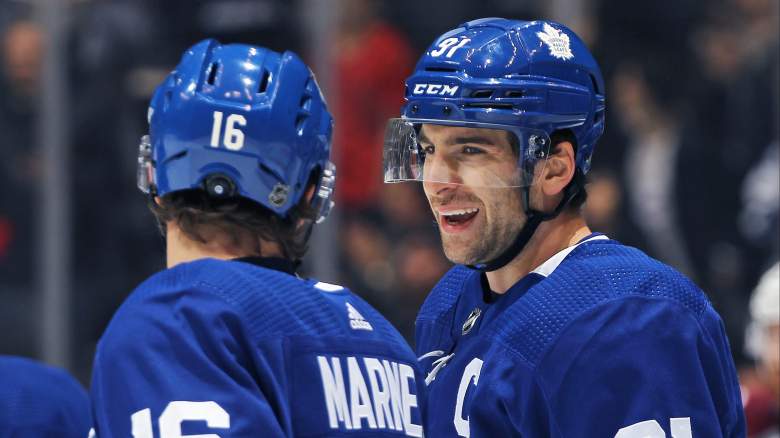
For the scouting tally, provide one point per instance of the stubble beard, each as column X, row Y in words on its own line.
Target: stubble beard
column 488, row 244
column 490, row 239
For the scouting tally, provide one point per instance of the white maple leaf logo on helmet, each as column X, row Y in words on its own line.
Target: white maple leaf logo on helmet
column 557, row 41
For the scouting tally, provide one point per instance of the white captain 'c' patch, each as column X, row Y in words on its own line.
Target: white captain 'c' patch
column 557, row 41
column 356, row 320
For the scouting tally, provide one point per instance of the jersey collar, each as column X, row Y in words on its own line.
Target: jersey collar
column 275, row 263
column 547, row 268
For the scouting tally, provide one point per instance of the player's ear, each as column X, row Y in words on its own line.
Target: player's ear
column 559, row 169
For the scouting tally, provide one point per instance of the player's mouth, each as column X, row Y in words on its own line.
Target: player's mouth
column 457, row 220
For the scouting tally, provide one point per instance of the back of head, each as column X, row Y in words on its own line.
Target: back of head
column 238, row 134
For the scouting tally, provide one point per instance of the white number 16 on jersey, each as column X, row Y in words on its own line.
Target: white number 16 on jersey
column 681, row 428
column 177, row 412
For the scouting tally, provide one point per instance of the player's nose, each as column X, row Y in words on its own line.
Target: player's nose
column 440, row 175
column 439, row 188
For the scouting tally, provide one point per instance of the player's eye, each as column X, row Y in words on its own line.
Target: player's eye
column 427, row 149
column 471, row 150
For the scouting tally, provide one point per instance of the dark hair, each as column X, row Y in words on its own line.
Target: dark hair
column 578, row 180
column 193, row 209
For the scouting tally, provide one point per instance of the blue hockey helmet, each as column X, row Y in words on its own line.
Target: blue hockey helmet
column 238, row 120
column 530, row 78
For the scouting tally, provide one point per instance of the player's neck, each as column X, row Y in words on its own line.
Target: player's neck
column 550, row 238
column 180, row 248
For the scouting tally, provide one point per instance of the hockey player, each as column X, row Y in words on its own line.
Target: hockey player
column 38, row 401
column 543, row 329
column 228, row 342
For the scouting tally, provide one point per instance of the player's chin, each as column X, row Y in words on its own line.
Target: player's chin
column 458, row 250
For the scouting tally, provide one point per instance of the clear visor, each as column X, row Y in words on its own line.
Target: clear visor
column 475, row 155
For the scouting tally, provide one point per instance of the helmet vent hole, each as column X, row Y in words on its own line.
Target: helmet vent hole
column 263, row 85
column 212, row 73
column 491, row 105
column 311, row 85
column 306, row 102
column 167, row 99
column 595, row 84
column 514, row 93
column 482, row 94
column 300, row 123
column 441, row 69
column 267, row 170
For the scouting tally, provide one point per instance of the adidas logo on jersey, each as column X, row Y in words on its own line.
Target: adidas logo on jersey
column 356, row 320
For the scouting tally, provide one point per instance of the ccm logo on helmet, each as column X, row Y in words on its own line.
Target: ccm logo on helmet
column 435, row 89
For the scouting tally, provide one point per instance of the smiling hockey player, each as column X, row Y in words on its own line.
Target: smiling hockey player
column 544, row 329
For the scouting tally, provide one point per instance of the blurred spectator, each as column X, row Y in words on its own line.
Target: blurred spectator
column 372, row 60
column 650, row 175
column 22, row 52
column 420, row 264
column 759, row 218
column 366, row 259
column 20, row 75
column 761, row 385
column 602, row 210
column 405, row 209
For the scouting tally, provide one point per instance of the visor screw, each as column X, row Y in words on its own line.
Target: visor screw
column 447, row 110
column 414, row 109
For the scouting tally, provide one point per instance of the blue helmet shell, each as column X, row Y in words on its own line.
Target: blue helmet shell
column 253, row 118
column 520, row 74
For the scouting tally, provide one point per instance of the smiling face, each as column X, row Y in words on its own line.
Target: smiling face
column 470, row 179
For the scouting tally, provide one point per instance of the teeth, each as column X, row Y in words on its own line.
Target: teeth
column 459, row 212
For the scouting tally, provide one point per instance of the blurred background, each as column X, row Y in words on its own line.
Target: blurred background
column 688, row 169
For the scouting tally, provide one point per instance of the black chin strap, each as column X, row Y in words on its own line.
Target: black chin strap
column 533, row 219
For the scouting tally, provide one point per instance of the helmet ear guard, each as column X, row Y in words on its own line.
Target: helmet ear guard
column 323, row 195
column 145, row 172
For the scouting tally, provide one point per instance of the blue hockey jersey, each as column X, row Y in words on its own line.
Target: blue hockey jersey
column 599, row 341
column 243, row 349
column 38, row 401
